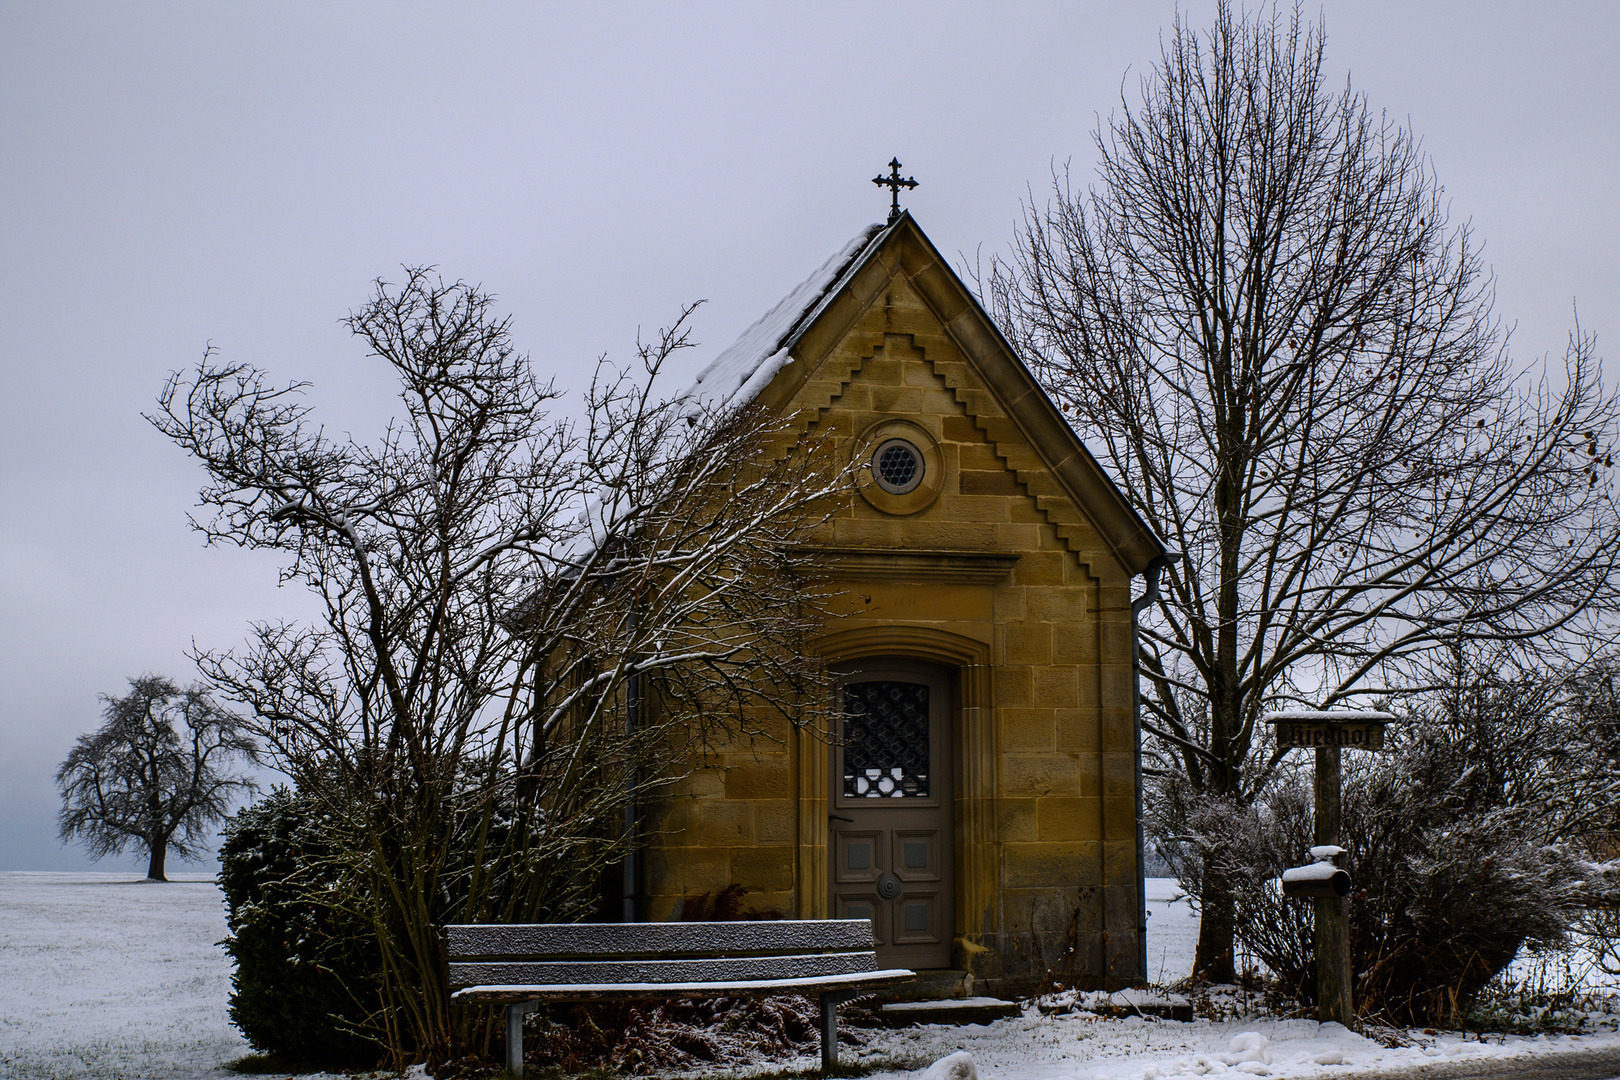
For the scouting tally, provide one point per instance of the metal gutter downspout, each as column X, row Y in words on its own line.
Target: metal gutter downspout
column 632, row 717
column 1150, row 578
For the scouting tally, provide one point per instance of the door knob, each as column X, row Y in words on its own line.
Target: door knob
column 888, row 886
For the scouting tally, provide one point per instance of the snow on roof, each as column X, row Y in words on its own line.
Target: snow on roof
column 738, row 374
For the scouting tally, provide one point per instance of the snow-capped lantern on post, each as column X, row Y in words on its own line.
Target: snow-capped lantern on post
column 1324, row 881
column 1323, row 877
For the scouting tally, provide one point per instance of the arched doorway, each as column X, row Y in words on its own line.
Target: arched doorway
column 891, row 850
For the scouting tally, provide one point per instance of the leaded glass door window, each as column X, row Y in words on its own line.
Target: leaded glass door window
column 886, row 740
column 891, row 848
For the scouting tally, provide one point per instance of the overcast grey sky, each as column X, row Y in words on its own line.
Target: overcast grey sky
column 174, row 174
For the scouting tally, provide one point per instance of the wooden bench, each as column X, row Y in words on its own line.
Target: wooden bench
column 520, row 966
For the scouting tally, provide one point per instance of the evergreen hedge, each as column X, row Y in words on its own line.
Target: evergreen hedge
column 306, row 984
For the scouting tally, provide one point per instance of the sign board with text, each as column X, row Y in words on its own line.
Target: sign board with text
column 1349, row 736
column 1349, row 730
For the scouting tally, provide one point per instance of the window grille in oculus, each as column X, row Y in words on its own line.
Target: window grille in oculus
column 886, row 740
column 897, row 466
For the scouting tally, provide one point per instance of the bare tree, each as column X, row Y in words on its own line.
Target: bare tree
column 1588, row 804
column 1266, row 323
column 529, row 623
column 155, row 774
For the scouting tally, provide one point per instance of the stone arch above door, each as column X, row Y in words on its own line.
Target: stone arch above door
column 974, row 744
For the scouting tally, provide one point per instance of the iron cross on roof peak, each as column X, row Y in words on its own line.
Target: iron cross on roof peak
column 894, row 182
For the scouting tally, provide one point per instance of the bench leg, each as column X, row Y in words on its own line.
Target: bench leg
column 829, row 1031
column 514, row 1038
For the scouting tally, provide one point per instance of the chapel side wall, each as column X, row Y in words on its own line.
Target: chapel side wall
column 1066, row 804
column 732, row 821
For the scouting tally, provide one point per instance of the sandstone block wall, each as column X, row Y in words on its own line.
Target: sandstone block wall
column 1045, row 820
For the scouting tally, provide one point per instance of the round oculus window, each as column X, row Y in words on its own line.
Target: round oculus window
column 897, row 466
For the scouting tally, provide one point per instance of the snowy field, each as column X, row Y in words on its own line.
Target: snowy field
column 1172, row 932
column 106, row 976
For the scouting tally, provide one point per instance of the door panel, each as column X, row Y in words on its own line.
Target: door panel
column 916, row 855
column 858, row 857
column 892, row 809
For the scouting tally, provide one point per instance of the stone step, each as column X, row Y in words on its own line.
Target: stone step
column 936, row 984
column 973, row 1010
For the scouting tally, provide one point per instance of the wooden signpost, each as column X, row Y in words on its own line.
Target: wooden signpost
column 1329, row 733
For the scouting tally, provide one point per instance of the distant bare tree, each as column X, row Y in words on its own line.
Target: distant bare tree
column 529, row 623
column 155, row 774
column 1265, row 322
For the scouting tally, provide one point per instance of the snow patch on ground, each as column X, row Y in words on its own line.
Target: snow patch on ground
column 958, row 1066
column 1172, row 931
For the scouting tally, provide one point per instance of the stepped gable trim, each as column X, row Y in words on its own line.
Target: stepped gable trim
column 1067, row 520
column 902, row 248
column 821, row 385
column 807, row 324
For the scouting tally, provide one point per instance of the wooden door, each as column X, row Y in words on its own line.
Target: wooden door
column 891, row 802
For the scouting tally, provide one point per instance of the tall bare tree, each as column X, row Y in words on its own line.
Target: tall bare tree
column 529, row 623
column 156, row 774
column 1265, row 321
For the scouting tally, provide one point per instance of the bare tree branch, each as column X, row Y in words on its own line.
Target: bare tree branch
column 497, row 584
column 1266, row 323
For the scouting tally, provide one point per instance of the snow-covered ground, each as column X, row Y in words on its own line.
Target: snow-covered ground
column 107, row 975
column 102, row 975
column 1084, row 1047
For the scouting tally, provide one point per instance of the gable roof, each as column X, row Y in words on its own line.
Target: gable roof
column 809, row 321
column 740, row 373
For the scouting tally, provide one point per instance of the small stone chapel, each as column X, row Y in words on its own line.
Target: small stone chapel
column 981, row 803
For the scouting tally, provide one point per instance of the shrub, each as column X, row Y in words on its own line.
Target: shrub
column 1446, row 888
column 1449, row 885
column 305, row 988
